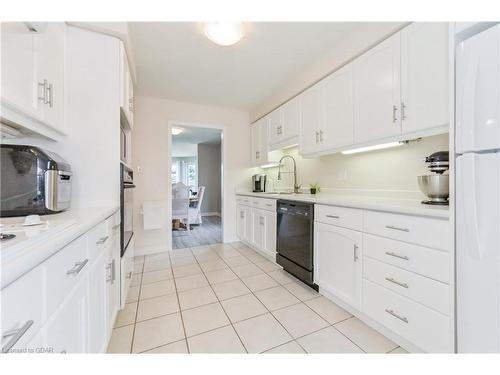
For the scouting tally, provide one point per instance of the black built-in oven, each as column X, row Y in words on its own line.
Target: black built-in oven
column 126, row 206
column 294, row 243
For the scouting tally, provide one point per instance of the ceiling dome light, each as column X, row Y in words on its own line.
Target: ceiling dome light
column 177, row 131
column 224, row 33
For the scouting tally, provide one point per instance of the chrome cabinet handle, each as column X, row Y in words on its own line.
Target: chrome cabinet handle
column 356, row 253
column 403, row 108
column 321, row 136
column 129, row 275
column 102, row 240
column 113, row 271
column 50, row 95
column 397, row 228
column 392, row 254
column 242, row 214
column 317, row 137
column 109, row 276
column 42, row 86
column 391, row 280
column 16, row 335
column 261, row 220
column 77, row 268
column 269, row 205
column 333, row 216
column 391, row 312
column 394, row 117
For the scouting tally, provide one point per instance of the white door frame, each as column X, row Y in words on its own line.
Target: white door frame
column 184, row 124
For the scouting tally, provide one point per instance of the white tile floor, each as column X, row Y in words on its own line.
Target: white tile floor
column 226, row 298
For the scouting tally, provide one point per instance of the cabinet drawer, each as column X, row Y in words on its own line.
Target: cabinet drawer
column 427, row 329
column 413, row 229
column 100, row 237
column 424, row 261
column 262, row 203
column 64, row 270
column 22, row 309
column 244, row 200
column 341, row 216
column 114, row 224
column 428, row 292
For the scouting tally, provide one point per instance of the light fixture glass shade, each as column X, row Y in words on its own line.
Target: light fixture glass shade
column 224, row 33
column 177, row 131
column 372, row 148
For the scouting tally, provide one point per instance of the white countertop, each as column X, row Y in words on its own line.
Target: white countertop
column 376, row 203
column 23, row 256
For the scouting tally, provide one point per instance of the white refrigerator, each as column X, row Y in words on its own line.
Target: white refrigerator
column 477, row 146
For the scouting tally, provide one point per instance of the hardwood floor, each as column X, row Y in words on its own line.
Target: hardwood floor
column 207, row 233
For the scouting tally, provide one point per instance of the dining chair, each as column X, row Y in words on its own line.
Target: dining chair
column 195, row 211
column 180, row 203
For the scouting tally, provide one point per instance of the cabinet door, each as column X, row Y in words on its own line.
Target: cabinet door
column 269, row 235
column 112, row 282
column 377, row 92
column 275, row 125
column 97, row 295
column 337, row 262
column 248, row 235
column 311, row 119
column 338, row 130
column 19, row 82
column 291, row 118
column 424, row 76
column 66, row 331
column 258, row 235
column 50, row 55
column 255, row 145
column 240, row 222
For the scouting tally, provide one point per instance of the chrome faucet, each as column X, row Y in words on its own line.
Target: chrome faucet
column 296, row 187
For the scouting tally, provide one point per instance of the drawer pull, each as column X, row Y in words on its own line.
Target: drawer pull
column 16, row 335
column 397, row 228
column 109, row 276
column 355, row 253
column 77, row 268
column 269, row 205
column 390, row 253
column 391, row 312
column 102, row 240
column 391, row 280
column 129, row 275
column 333, row 216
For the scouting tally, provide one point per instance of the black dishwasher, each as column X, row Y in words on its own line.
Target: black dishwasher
column 294, row 243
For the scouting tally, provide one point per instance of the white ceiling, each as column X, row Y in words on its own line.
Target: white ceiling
column 176, row 61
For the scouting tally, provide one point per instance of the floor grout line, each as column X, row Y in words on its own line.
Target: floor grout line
column 217, row 251
column 180, row 312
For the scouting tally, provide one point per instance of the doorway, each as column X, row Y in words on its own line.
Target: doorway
column 196, row 176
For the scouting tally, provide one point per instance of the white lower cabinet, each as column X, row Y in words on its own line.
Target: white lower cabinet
column 383, row 274
column 256, row 224
column 67, row 329
column 338, row 262
column 68, row 303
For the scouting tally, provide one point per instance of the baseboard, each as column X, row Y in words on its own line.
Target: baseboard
column 210, row 214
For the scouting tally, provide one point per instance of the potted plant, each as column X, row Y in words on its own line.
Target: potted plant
column 314, row 188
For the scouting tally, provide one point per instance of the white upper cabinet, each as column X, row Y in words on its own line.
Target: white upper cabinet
column 33, row 58
column 424, row 76
column 377, row 96
column 127, row 90
column 50, row 47
column 19, row 79
column 311, row 119
column 259, row 135
column 338, row 128
column 284, row 125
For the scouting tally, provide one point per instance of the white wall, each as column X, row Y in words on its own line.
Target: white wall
column 390, row 170
column 209, row 175
column 352, row 46
column 92, row 116
column 151, row 152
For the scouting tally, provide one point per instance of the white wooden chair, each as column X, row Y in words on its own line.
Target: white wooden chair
column 180, row 203
column 195, row 212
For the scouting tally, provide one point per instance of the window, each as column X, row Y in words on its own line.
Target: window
column 192, row 176
column 173, row 172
